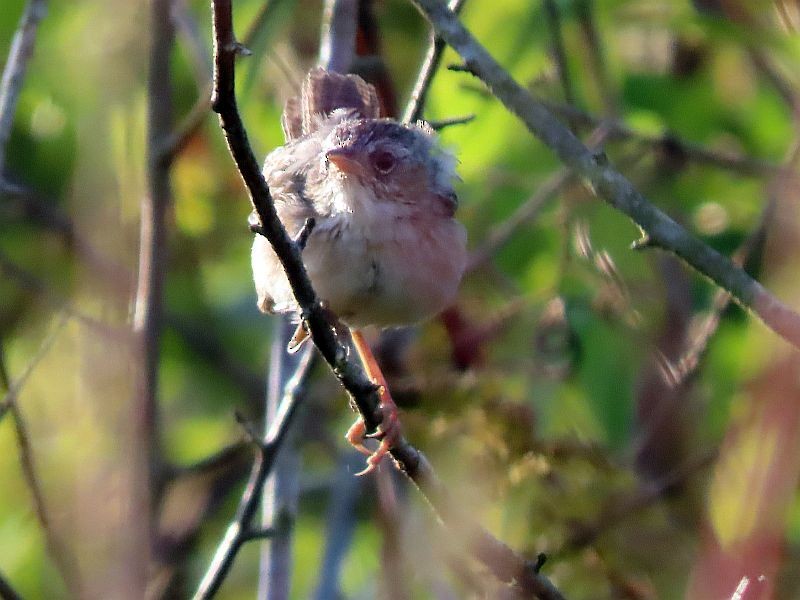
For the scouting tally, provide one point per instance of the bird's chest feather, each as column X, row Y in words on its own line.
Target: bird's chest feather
column 400, row 271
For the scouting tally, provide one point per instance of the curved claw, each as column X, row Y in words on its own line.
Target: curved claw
column 371, row 466
column 388, row 433
column 355, row 435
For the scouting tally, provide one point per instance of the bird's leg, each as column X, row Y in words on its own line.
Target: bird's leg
column 388, row 431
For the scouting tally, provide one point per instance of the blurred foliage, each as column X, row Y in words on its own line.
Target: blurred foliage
column 542, row 436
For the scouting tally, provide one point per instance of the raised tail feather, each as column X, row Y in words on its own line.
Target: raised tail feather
column 322, row 93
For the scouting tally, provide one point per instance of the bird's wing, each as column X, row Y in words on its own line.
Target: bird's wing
column 287, row 170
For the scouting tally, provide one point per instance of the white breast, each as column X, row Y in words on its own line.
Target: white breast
column 401, row 272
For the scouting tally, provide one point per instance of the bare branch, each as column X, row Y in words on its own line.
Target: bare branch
column 338, row 45
column 585, row 13
column 31, row 283
column 281, row 490
column 697, row 345
column 668, row 143
column 430, row 65
column 222, row 459
column 608, row 183
column 7, row 592
column 14, row 71
column 171, row 146
column 194, row 37
column 504, row 563
column 619, row 509
column 56, row 548
column 240, row 530
column 149, row 302
column 501, row 233
column 14, row 387
column 559, row 52
column 340, row 524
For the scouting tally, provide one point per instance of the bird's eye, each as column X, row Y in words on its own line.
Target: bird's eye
column 384, row 161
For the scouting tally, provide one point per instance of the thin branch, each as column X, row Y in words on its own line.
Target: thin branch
column 338, row 44
column 206, row 344
column 56, row 548
column 190, row 31
column 24, row 203
column 265, row 533
column 32, row 284
column 147, row 319
column 585, row 13
column 688, row 362
column 340, row 524
column 659, row 229
column 784, row 88
column 14, row 71
column 281, row 490
column 501, row 233
column 173, row 144
column 7, row 591
column 700, row 336
column 619, row 509
column 146, row 468
column 222, row 459
column 559, row 52
column 430, row 65
column 669, row 143
column 240, row 530
column 14, row 387
column 503, row 562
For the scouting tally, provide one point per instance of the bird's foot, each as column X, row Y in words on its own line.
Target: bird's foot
column 388, row 433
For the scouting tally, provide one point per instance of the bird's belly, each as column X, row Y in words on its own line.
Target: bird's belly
column 398, row 279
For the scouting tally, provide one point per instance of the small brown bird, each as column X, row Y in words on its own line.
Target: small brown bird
column 385, row 250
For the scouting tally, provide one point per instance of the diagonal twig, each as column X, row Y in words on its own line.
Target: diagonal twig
column 172, row 145
column 501, row 233
column 669, row 143
column 559, row 51
column 585, row 13
column 503, row 562
column 281, row 489
column 659, row 229
column 7, row 592
column 14, row 71
column 430, row 65
column 241, row 529
column 56, row 547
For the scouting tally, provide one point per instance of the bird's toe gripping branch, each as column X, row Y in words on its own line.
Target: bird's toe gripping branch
column 389, row 430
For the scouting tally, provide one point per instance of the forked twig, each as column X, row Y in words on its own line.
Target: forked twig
column 659, row 230
column 241, row 529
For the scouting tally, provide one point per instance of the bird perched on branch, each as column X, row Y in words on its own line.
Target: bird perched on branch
column 385, row 249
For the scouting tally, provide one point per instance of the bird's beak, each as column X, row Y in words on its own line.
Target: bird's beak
column 345, row 159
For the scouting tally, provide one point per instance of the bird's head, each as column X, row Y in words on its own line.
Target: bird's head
column 393, row 163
